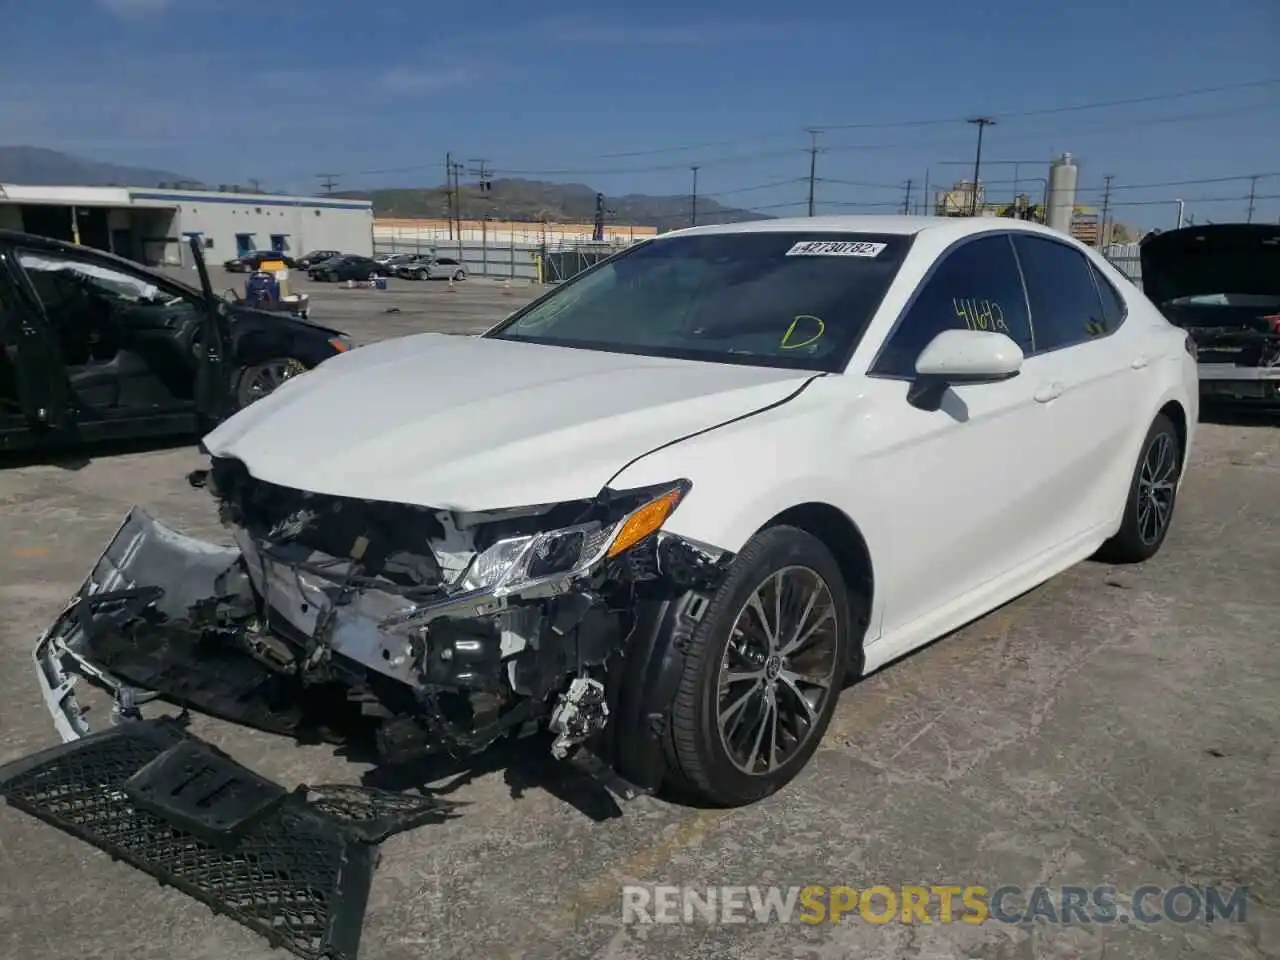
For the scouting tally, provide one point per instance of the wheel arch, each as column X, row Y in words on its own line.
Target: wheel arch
column 840, row 534
column 1178, row 415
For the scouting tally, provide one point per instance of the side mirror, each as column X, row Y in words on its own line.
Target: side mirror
column 956, row 357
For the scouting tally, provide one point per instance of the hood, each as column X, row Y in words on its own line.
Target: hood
column 1231, row 258
column 278, row 319
column 473, row 424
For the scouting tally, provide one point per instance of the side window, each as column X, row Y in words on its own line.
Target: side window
column 91, row 306
column 1065, row 306
column 1114, row 309
column 977, row 287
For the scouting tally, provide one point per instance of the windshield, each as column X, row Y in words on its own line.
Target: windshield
column 766, row 298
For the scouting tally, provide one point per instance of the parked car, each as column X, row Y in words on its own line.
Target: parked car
column 667, row 508
column 347, row 267
column 309, row 260
column 247, row 263
column 435, row 268
column 1221, row 283
column 98, row 347
column 409, row 264
column 391, row 261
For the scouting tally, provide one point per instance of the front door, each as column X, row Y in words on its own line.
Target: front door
column 33, row 382
column 975, row 509
column 126, row 342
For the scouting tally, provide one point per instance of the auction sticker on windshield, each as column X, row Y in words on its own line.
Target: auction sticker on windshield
column 836, row 248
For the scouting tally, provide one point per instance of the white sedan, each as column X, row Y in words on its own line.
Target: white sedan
column 668, row 509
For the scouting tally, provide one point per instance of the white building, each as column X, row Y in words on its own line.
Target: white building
column 151, row 225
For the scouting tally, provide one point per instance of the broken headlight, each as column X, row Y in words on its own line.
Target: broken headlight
column 518, row 563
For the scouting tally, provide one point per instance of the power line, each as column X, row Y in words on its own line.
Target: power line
column 940, row 121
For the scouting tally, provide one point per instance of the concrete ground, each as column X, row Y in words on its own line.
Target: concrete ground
column 1116, row 726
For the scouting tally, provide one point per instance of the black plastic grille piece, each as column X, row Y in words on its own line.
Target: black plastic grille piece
column 296, row 877
column 373, row 814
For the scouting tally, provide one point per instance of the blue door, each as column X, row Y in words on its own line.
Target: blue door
column 278, row 242
column 244, row 244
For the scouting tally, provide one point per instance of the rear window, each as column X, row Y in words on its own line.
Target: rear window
column 786, row 299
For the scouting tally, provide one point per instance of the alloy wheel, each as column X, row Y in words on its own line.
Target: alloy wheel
column 778, row 670
column 264, row 378
column 1157, row 482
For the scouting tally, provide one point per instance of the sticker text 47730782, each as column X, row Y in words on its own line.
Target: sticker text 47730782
column 836, row 248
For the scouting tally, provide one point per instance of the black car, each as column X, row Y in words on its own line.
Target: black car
column 315, row 257
column 248, row 262
column 1221, row 283
column 99, row 347
column 347, row 267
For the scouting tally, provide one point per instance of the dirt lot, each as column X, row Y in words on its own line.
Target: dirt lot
column 1113, row 727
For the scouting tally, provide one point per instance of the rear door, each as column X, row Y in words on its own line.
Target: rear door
column 1099, row 372
column 33, row 381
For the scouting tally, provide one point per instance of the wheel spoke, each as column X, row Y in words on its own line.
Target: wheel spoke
column 737, row 706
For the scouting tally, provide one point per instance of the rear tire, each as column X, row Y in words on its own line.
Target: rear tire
column 1153, row 495
column 754, row 699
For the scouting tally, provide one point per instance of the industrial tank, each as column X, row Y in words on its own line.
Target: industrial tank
column 1063, row 175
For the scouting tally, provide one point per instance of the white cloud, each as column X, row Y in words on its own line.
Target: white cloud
column 412, row 80
column 134, row 9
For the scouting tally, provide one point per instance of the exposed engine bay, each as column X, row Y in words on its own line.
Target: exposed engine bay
column 445, row 631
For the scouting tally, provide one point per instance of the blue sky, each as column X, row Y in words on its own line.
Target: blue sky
column 377, row 92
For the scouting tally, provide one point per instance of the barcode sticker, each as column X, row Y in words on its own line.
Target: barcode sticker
column 836, row 248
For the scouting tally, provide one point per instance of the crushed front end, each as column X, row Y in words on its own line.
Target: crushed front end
column 443, row 630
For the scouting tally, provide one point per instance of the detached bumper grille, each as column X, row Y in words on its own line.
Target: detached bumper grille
column 296, row 877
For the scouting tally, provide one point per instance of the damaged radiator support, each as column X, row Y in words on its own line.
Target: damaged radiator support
column 295, row 867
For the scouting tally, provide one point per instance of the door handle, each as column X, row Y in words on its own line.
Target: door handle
column 1049, row 391
column 1139, row 362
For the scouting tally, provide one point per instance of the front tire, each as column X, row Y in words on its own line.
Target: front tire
column 459, row 276
column 1153, row 494
column 260, row 379
column 762, row 672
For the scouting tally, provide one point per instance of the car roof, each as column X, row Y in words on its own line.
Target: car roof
column 951, row 227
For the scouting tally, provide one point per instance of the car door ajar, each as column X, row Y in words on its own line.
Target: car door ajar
column 32, row 354
column 1097, row 378
column 968, row 491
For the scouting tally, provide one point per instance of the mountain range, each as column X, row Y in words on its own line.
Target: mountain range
column 513, row 199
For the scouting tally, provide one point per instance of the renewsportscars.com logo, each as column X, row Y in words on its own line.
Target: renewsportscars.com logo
column 939, row 903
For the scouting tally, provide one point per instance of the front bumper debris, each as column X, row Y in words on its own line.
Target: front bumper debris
column 295, row 867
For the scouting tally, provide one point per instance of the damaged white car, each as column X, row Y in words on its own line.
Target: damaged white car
column 665, row 510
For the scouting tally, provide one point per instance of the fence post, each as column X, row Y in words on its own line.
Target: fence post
column 484, row 247
column 511, row 250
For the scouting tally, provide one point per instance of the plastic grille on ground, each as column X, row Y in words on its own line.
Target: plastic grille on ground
column 297, row 877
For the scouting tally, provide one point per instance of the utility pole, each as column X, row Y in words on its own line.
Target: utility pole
column 1253, row 186
column 924, row 200
column 483, row 174
column 327, row 181
column 448, row 190
column 1106, row 204
column 255, row 185
column 813, row 163
column 906, row 201
column 982, row 123
column 693, row 198
column 455, row 187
